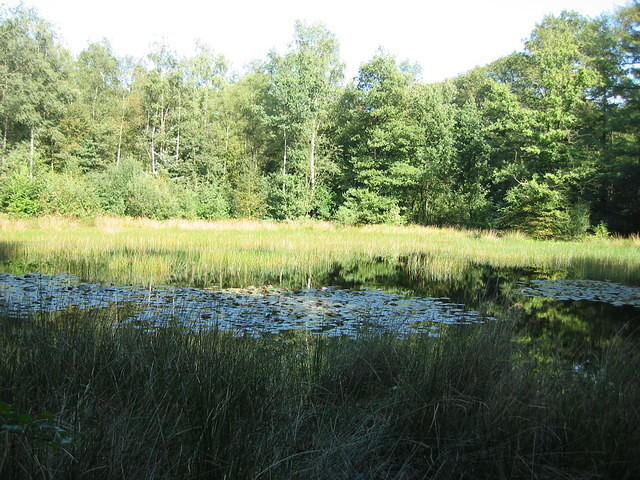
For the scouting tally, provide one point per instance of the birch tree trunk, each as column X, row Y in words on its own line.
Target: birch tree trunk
column 31, row 152
column 312, row 155
column 162, row 127
column 284, row 163
column 4, row 133
column 93, row 104
column 177, row 156
column 153, row 150
column 4, row 139
column 118, row 153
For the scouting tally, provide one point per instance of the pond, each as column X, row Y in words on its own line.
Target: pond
column 349, row 299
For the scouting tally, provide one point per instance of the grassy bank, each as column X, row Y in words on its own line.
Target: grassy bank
column 475, row 403
column 235, row 253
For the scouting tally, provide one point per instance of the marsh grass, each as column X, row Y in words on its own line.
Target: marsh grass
column 484, row 401
column 476, row 403
column 238, row 253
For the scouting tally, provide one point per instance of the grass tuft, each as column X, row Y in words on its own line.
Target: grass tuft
column 475, row 403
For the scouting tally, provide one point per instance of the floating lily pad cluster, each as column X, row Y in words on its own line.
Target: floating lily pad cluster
column 248, row 311
column 591, row 290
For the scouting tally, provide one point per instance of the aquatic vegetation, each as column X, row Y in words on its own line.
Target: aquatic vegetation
column 247, row 311
column 591, row 290
column 236, row 254
column 152, row 345
column 474, row 403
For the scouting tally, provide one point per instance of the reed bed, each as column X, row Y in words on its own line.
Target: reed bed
column 235, row 253
column 474, row 403
column 82, row 396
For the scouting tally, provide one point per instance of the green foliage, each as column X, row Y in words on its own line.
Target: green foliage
column 323, row 203
column 126, row 189
column 22, row 196
column 287, row 197
column 211, row 202
column 113, row 186
column 363, row 206
column 40, row 430
column 579, row 220
column 455, row 208
column 152, row 197
column 600, row 230
column 70, row 195
column 539, row 209
column 249, row 199
column 177, row 136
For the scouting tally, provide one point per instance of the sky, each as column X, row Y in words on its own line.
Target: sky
column 445, row 37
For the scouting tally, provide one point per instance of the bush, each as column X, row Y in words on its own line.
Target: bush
column 248, row 196
column 70, row 195
column 22, row 196
column 126, row 189
column 212, row 202
column 113, row 186
column 601, row 230
column 457, row 208
column 151, row 197
column 364, row 206
column 323, row 204
column 540, row 209
column 286, row 197
column 579, row 223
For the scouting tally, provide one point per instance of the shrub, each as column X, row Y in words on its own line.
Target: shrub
column 600, row 230
column 365, row 206
column 151, row 197
column 113, row 186
column 70, row 195
column 211, row 202
column 248, row 199
column 126, row 189
column 286, row 197
column 22, row 196
column 541, row 210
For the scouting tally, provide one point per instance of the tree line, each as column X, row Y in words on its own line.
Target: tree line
column 545, row 140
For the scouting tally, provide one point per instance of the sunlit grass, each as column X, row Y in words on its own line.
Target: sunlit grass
column 241, row 252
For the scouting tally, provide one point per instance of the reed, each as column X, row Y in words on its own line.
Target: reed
column 234, row 253
column 82, row 396
column 475, row 403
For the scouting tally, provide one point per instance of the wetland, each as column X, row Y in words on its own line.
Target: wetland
column 380, row 351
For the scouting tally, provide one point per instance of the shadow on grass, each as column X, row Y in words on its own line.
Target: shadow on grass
column 484, row 402
column 8, row 251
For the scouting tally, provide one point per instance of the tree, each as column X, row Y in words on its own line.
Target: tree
column 302, row 86
column 163, row 91
column 34, row 90
column 378, row 136
column 92, row 125
column 538, row 208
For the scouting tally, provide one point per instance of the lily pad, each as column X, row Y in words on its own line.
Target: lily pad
column 590, row 290
column 247, row 311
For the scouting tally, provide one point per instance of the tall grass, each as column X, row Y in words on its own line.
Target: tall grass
column 475, row 403
column 83, row 399
column 234, row 253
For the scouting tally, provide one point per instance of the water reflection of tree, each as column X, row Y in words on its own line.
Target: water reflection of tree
column 574, row 326
column 568, row 328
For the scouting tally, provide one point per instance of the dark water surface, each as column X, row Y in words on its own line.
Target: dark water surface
column 350, row 298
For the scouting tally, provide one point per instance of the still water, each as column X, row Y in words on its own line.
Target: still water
column 349, row 299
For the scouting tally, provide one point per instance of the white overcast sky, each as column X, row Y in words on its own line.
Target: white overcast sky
column 445, row 37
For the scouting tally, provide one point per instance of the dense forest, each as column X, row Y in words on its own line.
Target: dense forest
column 546, row 140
